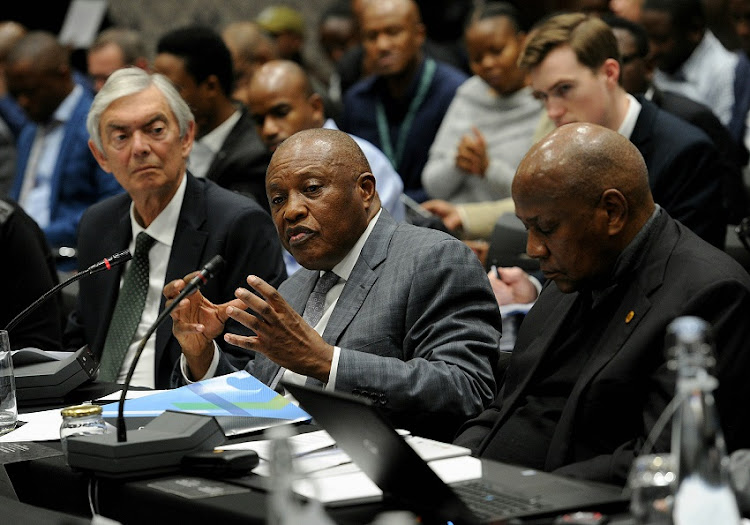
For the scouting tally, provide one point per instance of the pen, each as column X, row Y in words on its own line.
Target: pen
column 496, row 271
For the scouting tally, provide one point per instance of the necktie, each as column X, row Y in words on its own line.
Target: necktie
column 128, row 310
column 316, row 302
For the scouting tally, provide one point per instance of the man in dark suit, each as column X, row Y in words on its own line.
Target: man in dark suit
column 572, row 60
column 588, row 377
column 142, row 132
column 56, row 176
column 409, row 322
column 227, row 148
column 636, row 78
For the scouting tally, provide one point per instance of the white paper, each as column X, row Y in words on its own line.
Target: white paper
column 40, row 426
column 132, row 394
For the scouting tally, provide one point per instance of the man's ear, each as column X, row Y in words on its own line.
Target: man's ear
column 615, row 205
column 99, row 156
column 366, row 186
column 187, row 140
column 611, row 70
column 319, row 114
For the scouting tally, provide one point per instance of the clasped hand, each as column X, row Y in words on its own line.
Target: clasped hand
column 280, row 333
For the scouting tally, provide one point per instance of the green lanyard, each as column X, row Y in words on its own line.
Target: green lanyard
column 403, row 131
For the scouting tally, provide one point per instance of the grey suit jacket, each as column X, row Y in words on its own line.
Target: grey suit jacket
column 418, row 327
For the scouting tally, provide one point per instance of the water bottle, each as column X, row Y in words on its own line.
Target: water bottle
column 704, row 494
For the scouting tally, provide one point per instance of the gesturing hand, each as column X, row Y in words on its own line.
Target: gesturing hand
column 280, row 333
column 196, row 321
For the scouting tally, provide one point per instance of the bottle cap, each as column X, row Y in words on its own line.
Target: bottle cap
column 81, row 411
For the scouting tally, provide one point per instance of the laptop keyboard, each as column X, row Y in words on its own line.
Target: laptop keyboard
column 485, row 502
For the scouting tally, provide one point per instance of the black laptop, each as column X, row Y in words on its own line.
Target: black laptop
column 503, row 492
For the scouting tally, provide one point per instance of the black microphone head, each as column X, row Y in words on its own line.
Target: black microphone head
column 215, row 265
column 120, row 258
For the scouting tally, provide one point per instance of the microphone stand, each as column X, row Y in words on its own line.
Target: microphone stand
column 106, row 264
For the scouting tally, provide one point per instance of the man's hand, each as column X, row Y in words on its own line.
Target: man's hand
column 446, row 211
column 196, row 321
column 513, row 286
column 471, row 156
column 280, row 333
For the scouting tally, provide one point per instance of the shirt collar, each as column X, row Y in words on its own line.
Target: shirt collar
column 214, row 140
column 66, row 107
column 345, row 266
column 695, row 62
column 164, row 226
column 628, row 123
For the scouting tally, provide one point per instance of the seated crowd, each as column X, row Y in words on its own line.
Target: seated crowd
column 345, row 205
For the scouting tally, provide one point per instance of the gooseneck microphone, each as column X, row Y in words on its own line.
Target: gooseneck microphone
column 158, row 447
column 50, row 381
column 105, row 264
column 211, row 268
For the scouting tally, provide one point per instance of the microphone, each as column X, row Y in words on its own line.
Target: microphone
column 106, row 264
column 161, row 444
column 43, row 382
column 211, row 268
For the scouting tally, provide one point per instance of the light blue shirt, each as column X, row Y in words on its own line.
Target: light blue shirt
column 37, row 185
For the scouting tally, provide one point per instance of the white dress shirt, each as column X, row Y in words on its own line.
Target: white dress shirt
column 162, row 229
column 36, row 188
column 707, row 76
column 205, row 149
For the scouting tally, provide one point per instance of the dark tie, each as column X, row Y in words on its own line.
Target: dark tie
column 317, row 300
column 128, row 310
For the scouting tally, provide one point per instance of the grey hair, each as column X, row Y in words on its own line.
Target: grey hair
column 129, row 81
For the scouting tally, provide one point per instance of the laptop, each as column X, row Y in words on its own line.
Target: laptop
column 503, row 492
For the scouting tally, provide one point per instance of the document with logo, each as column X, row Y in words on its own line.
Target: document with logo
column 240, row 402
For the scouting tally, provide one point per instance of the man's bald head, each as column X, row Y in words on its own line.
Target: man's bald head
column 282, row 102
column 10, row 34
column 322, row 196
column 282, row 74
column 250, row 48
column 334, row 147
column 392, row 36
column 583, row 194
column 40, row 49
column 581, row 160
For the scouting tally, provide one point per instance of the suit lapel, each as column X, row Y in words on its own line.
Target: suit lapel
column 187, row 250
column 632, row 309
column 363, row 277
column 110, row 281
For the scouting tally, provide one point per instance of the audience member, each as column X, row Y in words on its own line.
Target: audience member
column 739, row 12
column 574, row 71
column 250, row 48
column 227, row 149
column 423, row 352
column 337, row 34
column 282, row 102
column 56, row 176
column 113, row 49
column 31, row 270
column 400, row 107
column 173, row 223
column 636, row 75
column 587, row 378
column 489, row 125
column 693, row 62
column 627, row 9
column 10, row 112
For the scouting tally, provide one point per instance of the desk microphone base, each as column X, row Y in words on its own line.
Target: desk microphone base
column 45, row 383
column 155, row 449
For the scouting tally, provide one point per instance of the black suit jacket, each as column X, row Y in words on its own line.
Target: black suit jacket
column 212, row 221
column 241, row 163
column 624, row 385
column 684, row 171
column 731, row 156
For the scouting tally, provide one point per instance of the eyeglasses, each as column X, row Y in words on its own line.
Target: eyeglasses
column 743, row 232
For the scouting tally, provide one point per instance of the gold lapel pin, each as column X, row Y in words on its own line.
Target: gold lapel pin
column 629, row 317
